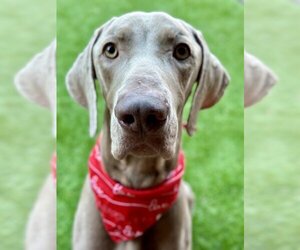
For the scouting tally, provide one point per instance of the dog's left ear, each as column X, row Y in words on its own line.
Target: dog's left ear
column 37, row 80
column 211, row 82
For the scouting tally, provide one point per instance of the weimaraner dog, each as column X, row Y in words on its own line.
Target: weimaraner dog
column 259, row 79
column 147, row 65
column 37, row 82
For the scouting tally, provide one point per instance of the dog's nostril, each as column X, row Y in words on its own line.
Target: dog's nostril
column 154, row 121
column 128, row 119
column 151, row 120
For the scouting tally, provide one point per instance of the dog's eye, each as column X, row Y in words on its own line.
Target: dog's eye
column 110, row 50
column 181, row 51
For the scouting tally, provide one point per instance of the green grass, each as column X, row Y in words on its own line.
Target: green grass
column 272, row 218
column 214, row 154
column 25, row 129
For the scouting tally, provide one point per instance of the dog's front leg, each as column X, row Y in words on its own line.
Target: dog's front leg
column 174, row 230
column 88, row 231
column 41, row 228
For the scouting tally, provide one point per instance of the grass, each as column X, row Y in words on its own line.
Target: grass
column 214, row 154
column 25, row 129
column 272, row 219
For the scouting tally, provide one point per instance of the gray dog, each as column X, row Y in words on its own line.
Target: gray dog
column 147, row 65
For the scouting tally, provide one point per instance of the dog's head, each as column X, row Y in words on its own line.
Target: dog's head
column 147, row 64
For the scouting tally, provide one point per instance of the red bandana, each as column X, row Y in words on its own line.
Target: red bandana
column 127, row 213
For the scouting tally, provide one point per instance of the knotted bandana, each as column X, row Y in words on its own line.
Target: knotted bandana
column 127, row 213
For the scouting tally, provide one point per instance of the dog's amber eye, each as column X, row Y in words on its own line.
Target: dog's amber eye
column 110, row 50
column 181, row 51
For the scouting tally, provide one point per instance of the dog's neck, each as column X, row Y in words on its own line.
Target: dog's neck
column 135, row 172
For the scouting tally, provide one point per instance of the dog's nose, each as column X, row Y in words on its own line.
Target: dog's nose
column 141, row 113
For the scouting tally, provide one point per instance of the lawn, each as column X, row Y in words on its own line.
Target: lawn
column 214, row 154
column 272, row 135
column 26, row 144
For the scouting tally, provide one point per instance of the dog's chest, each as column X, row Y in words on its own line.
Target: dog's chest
column 129, row 245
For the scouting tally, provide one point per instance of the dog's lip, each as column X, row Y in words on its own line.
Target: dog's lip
column 151, row 146
column 143, row 137
column 144, row 149
column 143, row 145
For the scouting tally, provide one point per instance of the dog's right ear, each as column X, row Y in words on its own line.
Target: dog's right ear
column 259, row 79
column 37, row 80
column 80, row 81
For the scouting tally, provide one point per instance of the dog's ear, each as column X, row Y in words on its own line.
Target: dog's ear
column 210, row 85
column 81, row 78
column 259, row 79
column 80, row 81
column 37, row 80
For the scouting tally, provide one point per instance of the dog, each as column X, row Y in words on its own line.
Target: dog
column 259, row 79
column 147, row 65
column 37, row 82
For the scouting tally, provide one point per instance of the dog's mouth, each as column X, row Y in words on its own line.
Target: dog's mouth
column 149, row 145
column 159, row 144
column 144, row 150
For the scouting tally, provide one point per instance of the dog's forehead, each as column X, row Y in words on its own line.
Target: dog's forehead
column 142, row 24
